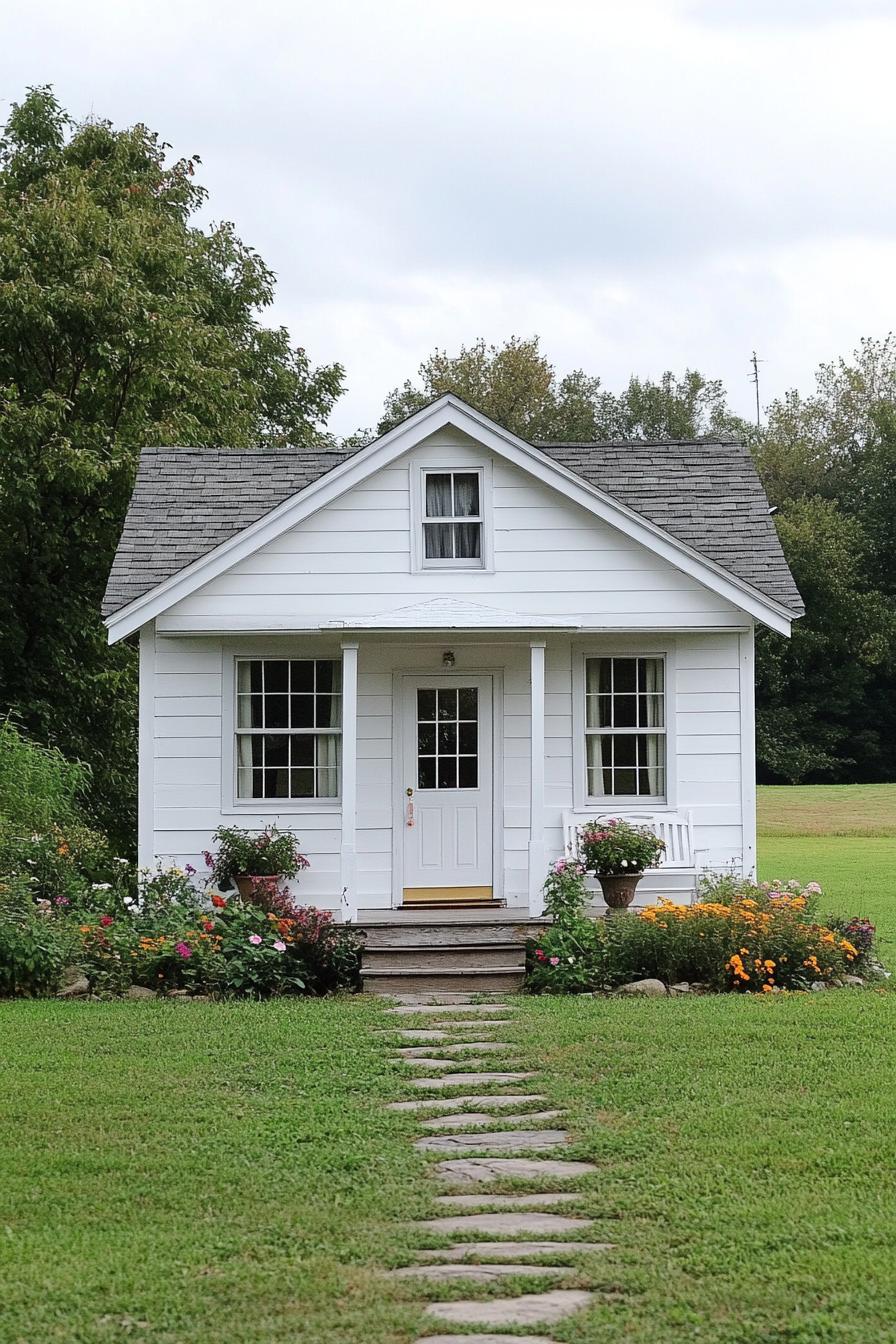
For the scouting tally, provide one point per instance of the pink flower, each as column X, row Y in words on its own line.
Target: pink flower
column 555, row 961
column 814, row 888
column 183, row 950
column 62, row 900
column 254, row 939
column 279, row 946
column 106, row 920
column 209, row 860
column 539, row 954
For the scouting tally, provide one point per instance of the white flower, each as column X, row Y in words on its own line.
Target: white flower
column 101, row 886
column 570, row 960
column 625, row 863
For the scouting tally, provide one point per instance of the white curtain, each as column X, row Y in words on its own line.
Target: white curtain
column 654, row 718
column 466, row 541
column 466, row 496
column 438, row 496
column 327, row 766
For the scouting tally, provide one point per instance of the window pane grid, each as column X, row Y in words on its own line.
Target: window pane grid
column 448, row 738
column 623, row 698
column 289, row 721
column 452, row 527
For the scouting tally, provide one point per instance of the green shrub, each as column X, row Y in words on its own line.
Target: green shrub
column 39, row 787
column 35, row 947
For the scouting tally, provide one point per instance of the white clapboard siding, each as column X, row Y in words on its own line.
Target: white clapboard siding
column 352, row 559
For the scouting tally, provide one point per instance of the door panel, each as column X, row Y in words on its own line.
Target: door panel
column 448, row 839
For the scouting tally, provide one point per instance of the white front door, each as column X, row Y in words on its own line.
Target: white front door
column 447, row 788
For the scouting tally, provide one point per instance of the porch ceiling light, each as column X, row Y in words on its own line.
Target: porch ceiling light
column 448, row 659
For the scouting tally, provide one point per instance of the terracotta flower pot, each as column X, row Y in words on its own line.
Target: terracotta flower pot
column 619, row 888
column 247, row 884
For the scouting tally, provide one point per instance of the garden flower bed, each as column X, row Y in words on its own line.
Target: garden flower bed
column 739, row 937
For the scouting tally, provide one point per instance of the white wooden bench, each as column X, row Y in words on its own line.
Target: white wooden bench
column 673, row 828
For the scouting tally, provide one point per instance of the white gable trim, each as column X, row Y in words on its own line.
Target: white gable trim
column 448, row 410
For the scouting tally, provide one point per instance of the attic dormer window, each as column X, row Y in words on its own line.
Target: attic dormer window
column 452, row 518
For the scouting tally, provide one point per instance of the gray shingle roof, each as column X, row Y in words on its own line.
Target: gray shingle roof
column 704, row 492
column 187, row 501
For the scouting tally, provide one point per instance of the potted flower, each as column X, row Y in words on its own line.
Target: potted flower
column 256, row 863
column 617, row 853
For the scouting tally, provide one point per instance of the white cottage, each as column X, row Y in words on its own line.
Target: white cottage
column 432, row 657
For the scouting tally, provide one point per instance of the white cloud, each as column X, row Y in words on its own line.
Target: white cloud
column 645, row 185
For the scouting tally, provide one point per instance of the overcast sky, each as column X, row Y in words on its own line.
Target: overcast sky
column 645, row 184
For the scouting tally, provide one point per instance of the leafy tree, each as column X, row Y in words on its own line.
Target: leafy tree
column 122, row 324
column 827, row 700
column 516, row 385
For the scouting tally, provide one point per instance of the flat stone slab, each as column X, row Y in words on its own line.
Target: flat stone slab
column 499, row 1099
column 481, row 1170
column 484, row 1339
column 528, row 1309
column 477, row 1273
column 543, row 1200
column 470, row 1080
column 417, row 1033
column 484, row 1118
column 404, row 1009
column 485, row 1046
column 515, row 1139
column 511, row 1224
column 515, row 1250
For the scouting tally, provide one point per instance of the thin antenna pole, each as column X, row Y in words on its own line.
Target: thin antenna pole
column 754, row 378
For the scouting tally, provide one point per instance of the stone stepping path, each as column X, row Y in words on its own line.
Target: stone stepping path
column 485, row 1339
column 458, row 1048
column 507, row 1201
column 484, row 1118
column 409, row 1009
column 482, row 1170
column 477, row 1273
column 508, row 1250
column 470, row 1079
column 517, row 1140
column 499, row 1099
column 451, row 1041
column 527, row 1309
column 510, row 1224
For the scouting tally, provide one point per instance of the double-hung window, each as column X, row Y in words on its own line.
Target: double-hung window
column 288, row 727
column 452, row 518
column 625, row 727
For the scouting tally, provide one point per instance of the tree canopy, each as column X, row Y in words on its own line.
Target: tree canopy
column 516, row 385
column 122, row 324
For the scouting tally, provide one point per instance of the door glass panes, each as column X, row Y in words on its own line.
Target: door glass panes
column 448, row 738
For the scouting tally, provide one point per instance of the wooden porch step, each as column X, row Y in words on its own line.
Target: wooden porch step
column 481, row 980
column 455, row 958
column 461, row 933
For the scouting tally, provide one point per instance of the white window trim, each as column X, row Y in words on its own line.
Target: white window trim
column 417, row 484
column 621, row 648
column 263, row 808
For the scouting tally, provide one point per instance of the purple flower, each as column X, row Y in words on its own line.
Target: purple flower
column 209, row 861
column 62, row 900
column 254, row 939
column 189, row 869
column 183, row 950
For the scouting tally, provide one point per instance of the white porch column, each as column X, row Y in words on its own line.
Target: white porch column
column 536, row 778
column 349, row 776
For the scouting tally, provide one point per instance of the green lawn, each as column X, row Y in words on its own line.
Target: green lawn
column 178, row 1173
column 747, row 1154
column 217, row 1172
column 843, row 836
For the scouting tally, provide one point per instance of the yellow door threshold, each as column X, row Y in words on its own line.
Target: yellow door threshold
column 459, row 895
